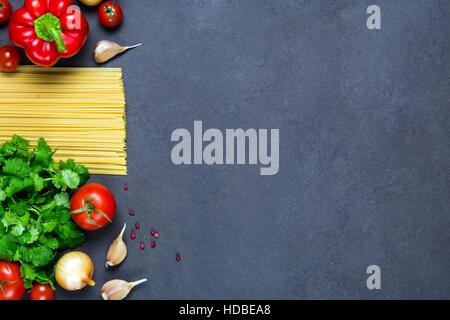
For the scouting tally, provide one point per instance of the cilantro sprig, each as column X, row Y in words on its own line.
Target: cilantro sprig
column 35, row 222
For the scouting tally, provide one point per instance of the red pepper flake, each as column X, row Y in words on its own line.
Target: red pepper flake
column 125, row 187
column 142, row 245
column 131, row 212
column 137, row 226
column 153, row 244
column 178, row 257
column 133, row 235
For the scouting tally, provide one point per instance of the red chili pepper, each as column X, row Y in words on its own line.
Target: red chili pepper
column 48, row 30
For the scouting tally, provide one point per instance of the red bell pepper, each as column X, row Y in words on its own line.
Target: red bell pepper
column 48, row 30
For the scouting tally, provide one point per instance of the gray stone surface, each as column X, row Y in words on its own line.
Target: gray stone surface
column 365, row 153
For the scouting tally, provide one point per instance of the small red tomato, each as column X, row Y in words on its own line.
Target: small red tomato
column 5, row 11
column 93, row 206
column 42, row 292
column 9, row 58
column 110, row 14
column 11, row 283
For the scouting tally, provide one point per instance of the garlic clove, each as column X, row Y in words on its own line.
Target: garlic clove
column 117, row 251
column 118, row 289
column 105, row 50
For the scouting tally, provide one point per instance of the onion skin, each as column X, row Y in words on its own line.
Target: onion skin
column 74, row 271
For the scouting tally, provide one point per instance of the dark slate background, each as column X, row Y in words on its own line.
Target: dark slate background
column 365, row 153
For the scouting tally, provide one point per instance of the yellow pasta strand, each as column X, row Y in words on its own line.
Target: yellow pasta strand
column 79, row 111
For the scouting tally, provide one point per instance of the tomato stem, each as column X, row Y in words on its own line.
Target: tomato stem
column 2, row 283
column 89, row 207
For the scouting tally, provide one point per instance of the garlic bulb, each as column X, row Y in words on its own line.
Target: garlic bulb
column 74, row 271
column 117, row 250
column 106, row 50
column 118, row 289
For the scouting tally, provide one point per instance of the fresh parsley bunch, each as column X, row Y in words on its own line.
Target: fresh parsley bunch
column 35, row 221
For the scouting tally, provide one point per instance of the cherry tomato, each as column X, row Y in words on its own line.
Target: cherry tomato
column 110, row 14
column 11, row 283
column 42, row 292
column 93, row 206
column 9, row 58
column 5, row 11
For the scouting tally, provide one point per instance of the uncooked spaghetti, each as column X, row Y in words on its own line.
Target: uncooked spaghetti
column 79, row 111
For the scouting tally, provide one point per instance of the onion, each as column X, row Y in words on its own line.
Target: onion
column 74, row 271
column 90, row 3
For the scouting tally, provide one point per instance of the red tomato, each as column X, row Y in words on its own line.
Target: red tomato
column 110, row 14
column 42, row 292
column 5, row 11
column 9, row 58
column 93, row 206
column 11, row 283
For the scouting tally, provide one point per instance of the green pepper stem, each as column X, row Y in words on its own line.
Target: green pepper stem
column 48, row 28
column 56, row 37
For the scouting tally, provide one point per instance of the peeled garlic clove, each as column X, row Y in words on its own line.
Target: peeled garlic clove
column 117, row 251
column 106, row 50
column 118, row 289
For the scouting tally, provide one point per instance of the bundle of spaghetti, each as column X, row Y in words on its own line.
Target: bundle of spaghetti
column 79, row 111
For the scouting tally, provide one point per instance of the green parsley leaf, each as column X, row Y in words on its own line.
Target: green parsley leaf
column 66, row 179
column 8, row 246
column 70, row 235
column 16, row 185
column 16, row 167
column 31, row 235
column 50, row 242
column 43, row 154
column 37, row 256
column 35, row 221
column 21, row 145
column 37, row 181
column 19, row 208
column 17, row 230
column 27, row 271
column 62, row 200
